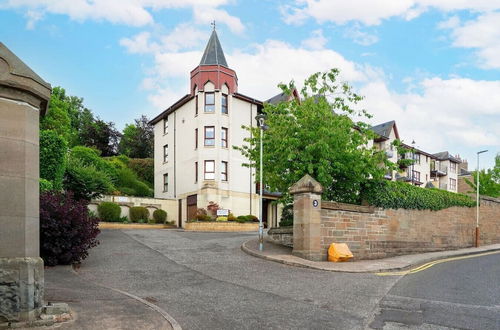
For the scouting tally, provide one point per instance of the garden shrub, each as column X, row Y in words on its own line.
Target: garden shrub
column 53, row 149
column 400, row 195
column 287, row 216
column 67, row 231
column 242, row 218
column 212, row 208
column 109, row 211
column 159, row 216
column 201, row 215
column 91, row 157
column 127, row 179
column 86, row 182
column 231, row 217
column 252, row 218
column 143, row 168
column 138, row 214
column 45, row 185
column 221, row 219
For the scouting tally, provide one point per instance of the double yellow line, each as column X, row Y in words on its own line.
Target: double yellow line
column 432, row 263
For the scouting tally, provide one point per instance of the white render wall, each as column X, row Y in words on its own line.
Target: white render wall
column 238, row 193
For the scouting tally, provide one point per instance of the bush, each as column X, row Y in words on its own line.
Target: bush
column 109, row 211
column 91, row 157
column 231, row 217
column 400, row 195
column 287, row 216
column 67, row 231
column 53, row 149
column 86, row 182
column 159, row 216
column 45, row 185
column 252, row 218
column 128, row 181
column 138, row 214
column 242, row 218
column 221, row 219
column 201, row 215
column 143, row 168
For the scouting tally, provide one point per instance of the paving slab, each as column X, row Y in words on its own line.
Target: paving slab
column 283, row 254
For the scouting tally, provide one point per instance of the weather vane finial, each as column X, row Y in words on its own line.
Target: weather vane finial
column 213, row 24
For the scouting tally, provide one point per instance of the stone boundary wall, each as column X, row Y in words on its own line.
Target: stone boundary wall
column 221, row 226
column 373, row 233
column 388, row 232
column 281, row 235
column 152, row 204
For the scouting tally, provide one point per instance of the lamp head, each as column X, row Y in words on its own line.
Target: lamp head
column 261, row 118
column 480, row 152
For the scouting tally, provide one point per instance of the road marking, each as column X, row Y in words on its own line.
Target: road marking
column 432, row 263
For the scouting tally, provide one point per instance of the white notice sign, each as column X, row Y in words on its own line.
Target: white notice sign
column 222, row 212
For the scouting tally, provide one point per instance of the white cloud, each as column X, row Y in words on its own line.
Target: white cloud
column 128, row 12
column 316, row 41
column 455, row 114
column 482, row 34
column 360, row 37
column 369, row 12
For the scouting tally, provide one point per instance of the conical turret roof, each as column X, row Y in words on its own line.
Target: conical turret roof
column 213, row 54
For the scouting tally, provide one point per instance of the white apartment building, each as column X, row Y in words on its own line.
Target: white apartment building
column 194, row 160
column 439, row 170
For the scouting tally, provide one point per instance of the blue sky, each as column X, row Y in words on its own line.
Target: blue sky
column 431, row 65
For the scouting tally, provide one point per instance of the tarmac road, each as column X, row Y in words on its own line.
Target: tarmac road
column 205, row 281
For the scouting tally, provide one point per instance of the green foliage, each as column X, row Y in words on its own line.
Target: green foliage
column 138, row 139
column 489, row 180
column 317, row 136
column 86, row 182
column 138, row 214
column 127, row 182
column 231, row 217
column 400, row 195
column 241, row 219
column 57, row 118
column 109, row 211
column 252, row 218
column 45, row 185
column 159, row 216
column 144, row 168
column 221, row 219
column 287, row 216
column 53, row 149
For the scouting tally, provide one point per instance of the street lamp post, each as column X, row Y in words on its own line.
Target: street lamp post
column 413, row 160
column 477, row 197
column 262, row 125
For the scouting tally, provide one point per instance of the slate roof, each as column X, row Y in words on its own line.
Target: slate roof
column 384, row 129
column 281, row 97
column 213, row 54
column 445, row 155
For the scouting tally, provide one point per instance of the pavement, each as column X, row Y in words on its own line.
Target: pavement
column 206, row 281
column 283, row 254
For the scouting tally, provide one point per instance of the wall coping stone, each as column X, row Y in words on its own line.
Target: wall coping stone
column 347, row 207
column 306, row 185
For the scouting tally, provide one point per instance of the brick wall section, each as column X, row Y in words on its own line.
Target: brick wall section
column 373, row 233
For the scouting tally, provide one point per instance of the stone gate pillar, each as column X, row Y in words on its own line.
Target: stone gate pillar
column 23, row 98
column 307, row 218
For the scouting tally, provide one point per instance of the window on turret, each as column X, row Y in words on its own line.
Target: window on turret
column 209, row 102
column 209, row 169
column 223, row 134
column 165, row 125
column 209, row 135
column 165, row 182
column 224, row 104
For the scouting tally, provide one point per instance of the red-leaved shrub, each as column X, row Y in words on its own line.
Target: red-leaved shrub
column 67, row 231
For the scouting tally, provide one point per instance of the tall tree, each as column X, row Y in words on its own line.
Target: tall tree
column 317, row 136
column 489, row 180
column 138, row 139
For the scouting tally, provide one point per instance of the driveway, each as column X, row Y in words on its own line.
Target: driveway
column 205, row 281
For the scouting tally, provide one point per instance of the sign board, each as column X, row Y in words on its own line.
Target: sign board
column 222, row 212
column 122, row 199
column 315, row 203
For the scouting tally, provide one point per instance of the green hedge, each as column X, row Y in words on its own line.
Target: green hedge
column 109, row 211
column 53, row 149
column 400, row 195
column 159, row 216
column 45, row 185
column 139, row 214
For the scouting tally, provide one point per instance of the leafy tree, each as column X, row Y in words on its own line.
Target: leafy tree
column 489, row 180
column 86, row 181
column 57, row 118
column 138, row 139
column 317, row 136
